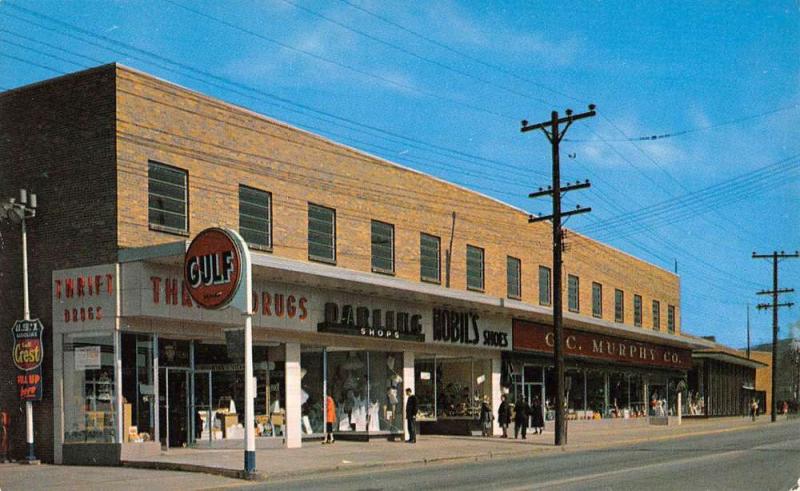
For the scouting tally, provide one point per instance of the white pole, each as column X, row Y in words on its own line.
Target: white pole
column 249, row 395
column 27, row 316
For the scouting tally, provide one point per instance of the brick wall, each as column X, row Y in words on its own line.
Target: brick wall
column 223, row 146
column 764, row 375
column 56, row 139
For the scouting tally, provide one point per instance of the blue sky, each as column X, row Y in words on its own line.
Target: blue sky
column 441, row 87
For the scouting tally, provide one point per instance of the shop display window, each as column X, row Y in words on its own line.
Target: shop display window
column 596, row 392
column 89, row 392
column 425, row 386
column 311, row 395
column 576, row 395
column 638, row 402
column 138, row 388
column 461, row 387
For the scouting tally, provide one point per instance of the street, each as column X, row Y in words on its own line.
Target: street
column 767, row 458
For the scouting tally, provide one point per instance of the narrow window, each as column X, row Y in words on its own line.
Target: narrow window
column 619, row 305
column 573, row 293
column 167, row 198
column 382, row 247
column 255, row 217
column 544, row 285
column 671, row 318
column 474, row 268
column 656, row 315
column 321, row 233
column 429, row 258
column 597, row 300
column 637, row 310
column 514, row 276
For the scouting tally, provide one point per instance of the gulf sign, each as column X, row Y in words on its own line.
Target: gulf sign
column 212, row 268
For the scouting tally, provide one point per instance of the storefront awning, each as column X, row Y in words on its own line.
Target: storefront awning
column 727, row 357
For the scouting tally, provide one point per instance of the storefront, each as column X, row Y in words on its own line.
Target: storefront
column 607, row 376
column 141, row 368
column 723, row 383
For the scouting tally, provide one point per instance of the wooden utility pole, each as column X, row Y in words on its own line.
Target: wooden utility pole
column 775, row 256
column 555, row 190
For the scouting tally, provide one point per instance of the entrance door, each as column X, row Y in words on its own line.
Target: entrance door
column 535, row 390
column 202, row 431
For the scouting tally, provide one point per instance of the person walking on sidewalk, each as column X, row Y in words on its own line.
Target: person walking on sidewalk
column 330, row 419
column 521, row 414
column 411, row 416
column 486, row 417
column 536, row 416
column 504, row 415
column 753, row 409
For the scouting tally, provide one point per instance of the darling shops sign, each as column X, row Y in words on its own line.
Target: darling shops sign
column 531, row 336
column 376, row 323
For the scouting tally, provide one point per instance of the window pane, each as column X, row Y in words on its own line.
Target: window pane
column 573, row 293
column 255, row 216
column 637, row 310
column 619, row 306
column 382, row 246
column 656, row 315
column 544, row 285
column 429, row 257
column 671, row 318
column 514, row 267
column 597, row 300
column 166, row 190
column 474, row 268
column 321, row 233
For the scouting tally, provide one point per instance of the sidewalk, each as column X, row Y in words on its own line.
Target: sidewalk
column 315, row 458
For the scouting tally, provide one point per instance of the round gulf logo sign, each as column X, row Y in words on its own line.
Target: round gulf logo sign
column 212, row 268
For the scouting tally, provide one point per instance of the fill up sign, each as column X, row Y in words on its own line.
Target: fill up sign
column 27, row 353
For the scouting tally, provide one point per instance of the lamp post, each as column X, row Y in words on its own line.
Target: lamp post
column 19, row 212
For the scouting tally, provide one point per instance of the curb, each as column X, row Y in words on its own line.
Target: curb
column 516, row 453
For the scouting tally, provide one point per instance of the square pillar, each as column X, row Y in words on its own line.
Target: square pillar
column 294, row 431
column 58, row 396
column 408, row 383
column 496, row 393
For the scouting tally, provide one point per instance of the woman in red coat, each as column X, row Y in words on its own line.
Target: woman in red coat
column 330, row 419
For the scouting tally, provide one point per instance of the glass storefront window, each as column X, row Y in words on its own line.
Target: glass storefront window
column 638, row 402
column 311, row 395
column 89, row 394
column 385, row 391
column 462, row 385
column 425, row 386
column 138, row 388
column 596, row 392
column 618, row 395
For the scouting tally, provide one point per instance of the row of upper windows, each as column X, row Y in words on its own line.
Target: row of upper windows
column 573, row 303
column 168, row 211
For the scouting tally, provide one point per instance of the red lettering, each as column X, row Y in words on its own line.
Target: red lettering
column 254, row 296
column 110, row 283
column 98, row 313
column 171, row 291
column 303, row 310
column 58, row 289
column 156, row 288
column 66, row 315
column 98, row 282
column 90, row 313
column 279, row 304
column 70, row 287
column 265, row 304
column 81, row 286
column 290, row 308
column 74, row 315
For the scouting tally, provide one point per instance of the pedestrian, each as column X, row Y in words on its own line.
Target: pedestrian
column 536, row 416
column 521, row 414
column 504, row 415
column 486, row 417
column 411, row 416
column 330, row 419
column 753, row 409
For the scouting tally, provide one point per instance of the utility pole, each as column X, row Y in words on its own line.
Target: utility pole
column 555, row 190
column 748, row 331
column 775, row 256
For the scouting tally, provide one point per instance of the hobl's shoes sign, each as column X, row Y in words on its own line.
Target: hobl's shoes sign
column 27, row 353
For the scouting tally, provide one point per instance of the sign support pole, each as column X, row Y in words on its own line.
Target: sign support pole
column 31, row 456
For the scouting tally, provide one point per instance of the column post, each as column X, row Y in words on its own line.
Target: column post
column 497, row 392
column 408, row 383
column 294, row 431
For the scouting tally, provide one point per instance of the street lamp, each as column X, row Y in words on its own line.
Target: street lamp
column 19, row 212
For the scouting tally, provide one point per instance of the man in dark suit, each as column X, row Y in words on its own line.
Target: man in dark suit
column 411, row 416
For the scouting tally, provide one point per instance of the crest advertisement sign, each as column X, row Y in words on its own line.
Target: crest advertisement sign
column 27, row 354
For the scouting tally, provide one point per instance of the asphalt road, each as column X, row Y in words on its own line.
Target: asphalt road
column 763, row 459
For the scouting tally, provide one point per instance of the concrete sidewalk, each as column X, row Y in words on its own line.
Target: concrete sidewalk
column 315, row 458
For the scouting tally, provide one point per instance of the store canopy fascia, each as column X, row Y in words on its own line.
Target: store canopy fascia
column 324, row 276
column 725, row 357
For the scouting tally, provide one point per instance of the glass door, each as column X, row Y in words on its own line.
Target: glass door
column 203, row 414
column 174, row 409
